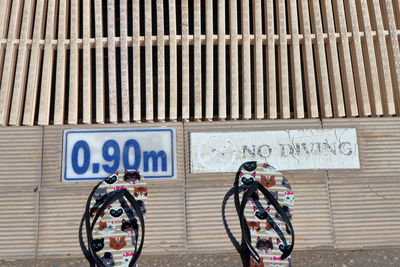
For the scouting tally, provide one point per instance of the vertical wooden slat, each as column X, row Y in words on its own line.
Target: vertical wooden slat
column 125, row 105
column 5, row 6
column 87, row 64
column 47, row 71
column 61, row 64
column 333, row 61
column 136, row 60
column 73, row 65
column 396, row 7
column 308, row 62
column 272, row 108
column 320, row 58
column 209, row 61
column 7, row 76
column 197, row 60
column 393, row 49
column 149, row 60
column 173, row 99
column 222, row 60
column 345, row 59
column 369, row 57
column 33, row 72
column 284, row 95
column 357, row 56
column 98, row 13
column 160, row 61
column 234, row 79
column 258, row 61
column 383, row 62
column 297, row 86
column 4, row 10
column 22, row 64
column 112, row 75
column 246, row 70
column 185, row 60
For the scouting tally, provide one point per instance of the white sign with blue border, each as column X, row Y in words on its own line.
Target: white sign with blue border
column 90, row 155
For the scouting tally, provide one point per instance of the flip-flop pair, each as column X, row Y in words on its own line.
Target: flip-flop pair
column 113, row 215
column 263, row 199
column 264, row 204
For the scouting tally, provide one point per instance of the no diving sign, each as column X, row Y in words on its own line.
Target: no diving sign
column 94, row 154
column 285, row 150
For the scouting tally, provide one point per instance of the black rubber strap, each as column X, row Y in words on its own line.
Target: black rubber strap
column 236, row 189
column 282, row 212
column 89, row 211
column 245, row 252
column 230, row 234
column 86, row 219
column 256, row 185
column 271, row 220
column 109, row 200
column 245, row 227
column 84, row 249
column 243, row 222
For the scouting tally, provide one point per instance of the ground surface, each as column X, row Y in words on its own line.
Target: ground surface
column 363, row 258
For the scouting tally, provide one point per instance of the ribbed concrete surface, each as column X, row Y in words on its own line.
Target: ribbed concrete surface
column 20, row 170
column 18, row 224
column 335, row 209
column 365, row 203
column 20, row 157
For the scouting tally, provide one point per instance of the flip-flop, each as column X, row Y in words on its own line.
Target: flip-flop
column 264, row 203
column 113, row 216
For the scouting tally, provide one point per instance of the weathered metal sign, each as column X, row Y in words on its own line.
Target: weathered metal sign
column 93, row 154
column 285, row 150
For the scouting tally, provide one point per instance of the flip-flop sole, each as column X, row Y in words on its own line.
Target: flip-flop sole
column 116, row 243
column 267, row 237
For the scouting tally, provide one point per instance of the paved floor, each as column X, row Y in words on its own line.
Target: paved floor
column 361, row 258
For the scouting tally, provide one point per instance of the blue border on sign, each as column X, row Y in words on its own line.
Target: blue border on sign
column 104, row 131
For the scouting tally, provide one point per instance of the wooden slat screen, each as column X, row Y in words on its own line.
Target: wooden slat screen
column 73, row 62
